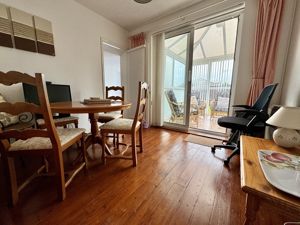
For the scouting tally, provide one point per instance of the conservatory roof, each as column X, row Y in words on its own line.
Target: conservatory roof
column 212, row 41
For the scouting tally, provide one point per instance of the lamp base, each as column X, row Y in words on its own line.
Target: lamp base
column 286, row 138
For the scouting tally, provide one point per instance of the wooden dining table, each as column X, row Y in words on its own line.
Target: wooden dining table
column 92, row 110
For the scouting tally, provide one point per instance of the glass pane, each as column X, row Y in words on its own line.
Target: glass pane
column 112, row 69
column 213, row 61
column 174, row 80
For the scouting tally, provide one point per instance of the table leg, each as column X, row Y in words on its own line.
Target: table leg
column 95, row 137
column 252, row 206
column 94, row 128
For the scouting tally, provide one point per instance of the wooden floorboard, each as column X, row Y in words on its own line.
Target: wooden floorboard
column 175, row 182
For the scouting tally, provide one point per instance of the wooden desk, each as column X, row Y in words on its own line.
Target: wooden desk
column 258, row 189
column 92, row 110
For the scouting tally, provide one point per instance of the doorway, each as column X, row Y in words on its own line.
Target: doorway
column 199, row 68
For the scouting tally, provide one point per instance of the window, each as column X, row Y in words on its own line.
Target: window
column 112, row 65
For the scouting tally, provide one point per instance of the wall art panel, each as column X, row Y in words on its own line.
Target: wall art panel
column 5, row 27
column 23, row 30
column 44, row 36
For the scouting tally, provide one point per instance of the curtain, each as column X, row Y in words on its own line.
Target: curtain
column 158, row 69
column 265, row 46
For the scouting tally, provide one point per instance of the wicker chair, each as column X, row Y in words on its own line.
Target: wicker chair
column 177, row 108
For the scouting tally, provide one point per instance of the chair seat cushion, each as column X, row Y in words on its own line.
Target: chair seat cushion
column 41, row 122
column 35, row 143
column 106, row 117
column 238, row 123
column 119, row 124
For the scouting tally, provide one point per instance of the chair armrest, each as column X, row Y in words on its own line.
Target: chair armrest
column 178, row 103
column 258, row 116
column 242, row 106
column 261, row 115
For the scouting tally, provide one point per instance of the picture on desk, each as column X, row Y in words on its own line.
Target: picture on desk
column 281, row 160
column 281, row 170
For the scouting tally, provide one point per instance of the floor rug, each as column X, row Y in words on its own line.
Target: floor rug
column 202, row 140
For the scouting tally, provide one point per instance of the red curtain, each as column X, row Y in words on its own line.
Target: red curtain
column 137, row 40
column 265, row 47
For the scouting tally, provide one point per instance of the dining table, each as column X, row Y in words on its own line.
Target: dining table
column 92, row 110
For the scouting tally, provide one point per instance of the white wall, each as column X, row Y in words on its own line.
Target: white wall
column 77, row 33
column 291, row 85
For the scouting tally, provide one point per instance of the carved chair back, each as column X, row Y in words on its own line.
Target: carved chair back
column 14, row 77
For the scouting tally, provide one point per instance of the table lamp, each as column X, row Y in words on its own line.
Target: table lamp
column 287, row 119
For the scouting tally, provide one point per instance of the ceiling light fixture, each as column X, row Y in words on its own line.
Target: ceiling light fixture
column 142, row 1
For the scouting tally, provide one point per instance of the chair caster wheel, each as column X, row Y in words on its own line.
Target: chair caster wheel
column 213, row 149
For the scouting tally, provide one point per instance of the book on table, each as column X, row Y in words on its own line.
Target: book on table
column 96, row 101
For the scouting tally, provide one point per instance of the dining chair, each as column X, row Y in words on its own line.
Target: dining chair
column 127, row 126
column 106, row 117
column 115, row 93
column 59, row 122
column 37, row 142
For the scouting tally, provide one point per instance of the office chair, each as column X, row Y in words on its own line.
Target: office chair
column 250, row 121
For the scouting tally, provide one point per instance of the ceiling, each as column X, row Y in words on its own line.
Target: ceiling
column 129, row 14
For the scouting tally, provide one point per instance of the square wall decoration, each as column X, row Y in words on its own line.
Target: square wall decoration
column 44, row 36
column 5, row 28
column 23, row 30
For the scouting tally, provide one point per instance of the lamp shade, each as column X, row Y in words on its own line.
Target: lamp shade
column 286, row 117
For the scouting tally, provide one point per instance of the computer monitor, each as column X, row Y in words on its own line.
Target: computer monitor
column 59, row 93
column 56, row 93
column 30, row 94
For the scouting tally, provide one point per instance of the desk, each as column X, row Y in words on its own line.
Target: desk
column 92, row 110
column 258, row 189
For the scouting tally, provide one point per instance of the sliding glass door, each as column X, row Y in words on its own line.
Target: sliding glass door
column 198, row 75
column 213, row 60
column 175, row 81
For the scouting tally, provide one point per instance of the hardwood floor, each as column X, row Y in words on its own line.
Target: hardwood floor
column 175, row 182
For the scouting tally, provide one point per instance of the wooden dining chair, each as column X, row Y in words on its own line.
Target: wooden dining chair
column 127, row 126
column 106, row 117
column 37, row 142
column 112, row 93
column 59, row 122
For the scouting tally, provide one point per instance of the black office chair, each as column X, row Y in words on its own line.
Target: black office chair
column 249, row 121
